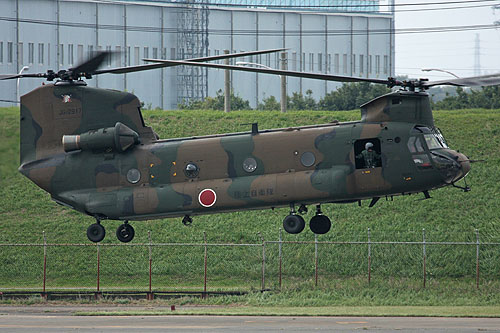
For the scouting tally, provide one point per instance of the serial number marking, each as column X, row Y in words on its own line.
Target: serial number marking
column 68, row 112
column 263, row 192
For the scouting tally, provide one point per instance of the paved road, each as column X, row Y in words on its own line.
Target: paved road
column 60, row 319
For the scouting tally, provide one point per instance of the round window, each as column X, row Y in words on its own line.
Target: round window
column 307, row 159
column 191, row 170
column 250, row 164
column 133, row 176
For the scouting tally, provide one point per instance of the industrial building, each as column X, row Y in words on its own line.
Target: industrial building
column 344, row 37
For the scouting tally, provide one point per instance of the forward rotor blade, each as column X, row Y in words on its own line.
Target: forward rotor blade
column 160, row 64
column 92, row 64
column 306, row 75
column 19, row 76
column 473, row 81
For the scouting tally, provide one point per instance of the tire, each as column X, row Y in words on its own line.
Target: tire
column 294, row 224
column 125, row 233
column 96, row 233
column 320, row 224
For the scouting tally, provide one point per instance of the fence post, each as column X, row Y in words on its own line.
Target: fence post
column 424, row 257
column 263, row 285
column 44, row 294
column 98, row 292
column 204, row 295
column 369, row 258
column 280, row 257
column 477, row 259
column 316, row 259
column 150, row 295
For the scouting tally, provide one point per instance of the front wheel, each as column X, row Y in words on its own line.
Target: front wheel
column 294, row 224
column 125, row 233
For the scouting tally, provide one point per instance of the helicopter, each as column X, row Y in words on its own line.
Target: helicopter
column 91, row 150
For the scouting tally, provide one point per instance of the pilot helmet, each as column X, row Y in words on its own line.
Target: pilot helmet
column 368, row 145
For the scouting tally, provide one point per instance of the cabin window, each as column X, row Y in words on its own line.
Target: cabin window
column 368, row 153
column 307, row 159
column 133, row 176
column 250, row 164
column 191, row 170
column 422, row 161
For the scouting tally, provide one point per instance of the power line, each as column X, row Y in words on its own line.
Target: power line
column 265, row 32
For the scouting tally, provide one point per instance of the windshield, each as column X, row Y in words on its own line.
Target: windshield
column 432, row 141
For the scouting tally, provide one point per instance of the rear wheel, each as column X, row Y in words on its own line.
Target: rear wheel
column 96, row 232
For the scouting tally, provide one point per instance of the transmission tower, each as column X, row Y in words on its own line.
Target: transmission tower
column 192, row 42
column 477, row 56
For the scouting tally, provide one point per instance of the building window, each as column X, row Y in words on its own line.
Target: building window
column 108, row 59
column 386, row 64
column 118, row 57
column 90, row 51
column 41, row 53
column 277, row 60
column 303, row 62
column 377, row 64
column 172, row 53
column 79, row 53
column 31, row 53
column 128, row 56
column 20, row 55
column 268, row 60
column 336, row 65
column 354, row 63
column 361, row 64
column 155, row 53
column 164, row 53
column 70, row 54
column 136, row 55
column 311, row 62
column 320, row 62
column 294, row 61
column 48, row 54
column 10, row 51
column 329, row 69
column 146, row 52
column 1, row 52
column 370, row 64
column 344, row 62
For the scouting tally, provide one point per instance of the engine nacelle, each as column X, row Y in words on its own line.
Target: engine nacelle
column 118, row 139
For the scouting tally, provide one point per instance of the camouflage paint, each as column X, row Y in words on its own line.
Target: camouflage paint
column 95, row 182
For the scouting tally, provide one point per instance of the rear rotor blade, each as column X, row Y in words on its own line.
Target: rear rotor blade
column 160, row 64
column 473, row 81
column 326, row 77
column 19, row 76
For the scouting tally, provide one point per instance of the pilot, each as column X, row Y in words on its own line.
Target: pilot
column 370, row 156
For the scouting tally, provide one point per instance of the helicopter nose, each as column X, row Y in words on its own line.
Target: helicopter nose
column 464, row 162
column 452, row 165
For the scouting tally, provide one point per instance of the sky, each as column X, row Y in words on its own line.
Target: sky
column 451, row 51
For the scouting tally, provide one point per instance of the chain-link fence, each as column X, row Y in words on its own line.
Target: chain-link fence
column 210, row 266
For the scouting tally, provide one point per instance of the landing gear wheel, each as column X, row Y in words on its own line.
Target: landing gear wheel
column 125, row 233
column 187, row 220
column 96, row 232
column 320, row 224
column 294, row 224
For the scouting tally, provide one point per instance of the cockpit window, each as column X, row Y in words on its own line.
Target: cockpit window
column 432, row 141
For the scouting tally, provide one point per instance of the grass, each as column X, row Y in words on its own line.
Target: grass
column 337, row 311
column 26, row 211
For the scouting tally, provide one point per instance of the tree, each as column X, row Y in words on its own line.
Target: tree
column 270, row 104
column 217, row 103
column 351, row 95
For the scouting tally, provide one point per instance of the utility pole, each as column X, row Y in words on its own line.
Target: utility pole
column 283, row 82
column 477, row 56
column 227, row 86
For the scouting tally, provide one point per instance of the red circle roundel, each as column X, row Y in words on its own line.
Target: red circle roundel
column 207, row 197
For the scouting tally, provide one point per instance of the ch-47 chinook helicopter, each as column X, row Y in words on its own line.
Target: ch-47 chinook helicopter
column 90, row 149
